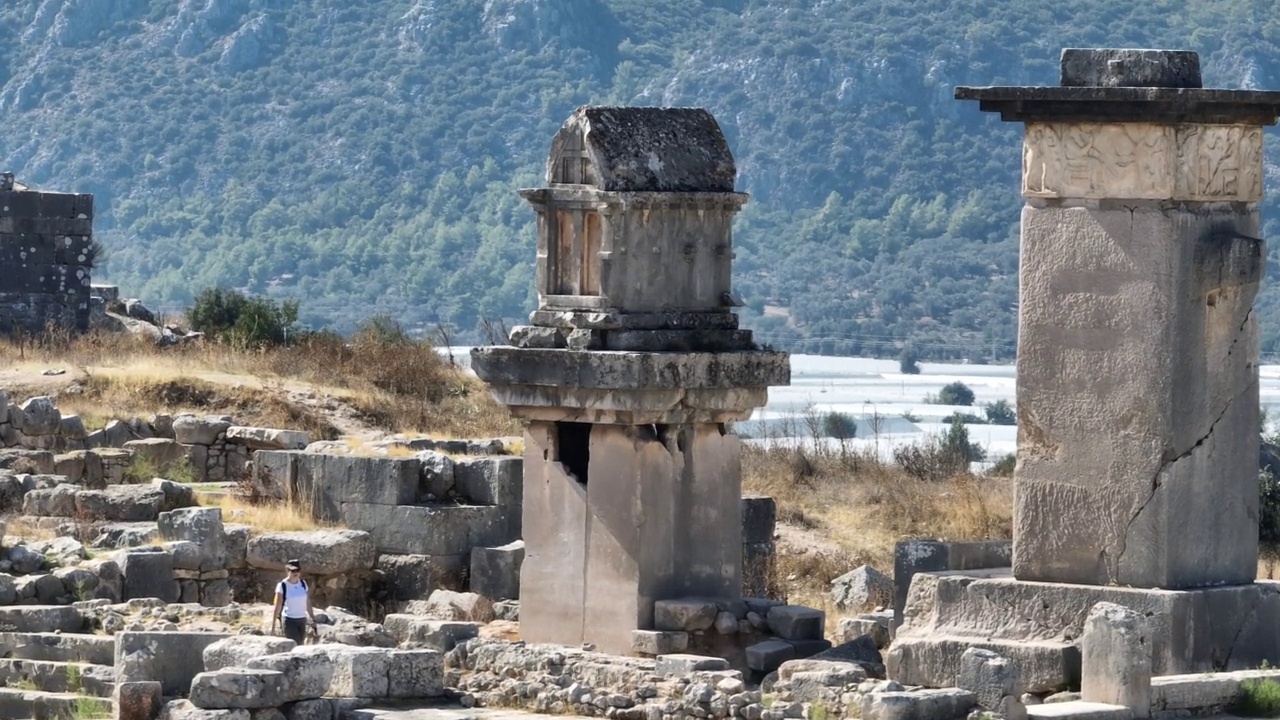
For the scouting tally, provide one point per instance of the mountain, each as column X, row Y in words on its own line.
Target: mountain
column 364, row 158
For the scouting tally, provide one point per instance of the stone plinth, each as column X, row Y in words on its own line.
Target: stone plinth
column 1137, row 344
column 1041, row 625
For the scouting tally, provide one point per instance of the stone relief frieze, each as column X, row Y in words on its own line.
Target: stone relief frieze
column 1142, row 161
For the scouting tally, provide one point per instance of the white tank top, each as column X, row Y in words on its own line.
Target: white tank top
column 295, row 598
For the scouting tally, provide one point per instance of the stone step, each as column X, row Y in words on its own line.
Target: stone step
column 40, row 618
column 59, row 647
column 1078, row 710
column 36, row 705
column 58, row 677
column 1046, row 666
column 1203, row 693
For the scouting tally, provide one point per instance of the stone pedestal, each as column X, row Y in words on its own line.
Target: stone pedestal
column 1137, row 345
column 1137, row 478
column 627, row 377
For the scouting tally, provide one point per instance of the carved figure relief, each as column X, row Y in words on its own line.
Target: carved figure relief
column 1142, row 161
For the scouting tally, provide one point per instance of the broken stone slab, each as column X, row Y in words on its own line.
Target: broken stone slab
column 850, row 628
column 767, row 656
column 137, row 700
column 200, row 526
column 918, row 705
column 1111, row 67
column 759, row 518
column 452, row 605
column 659, row 642
column 359, row 672
column 688, row 615
column 680, row 665
column 794, row 622
column 238, row 688
column 58, row 647
column 120, row 503
column 861, row 651
column 828, row 673
column 863, row 587
column 307, row 671
column 491, row 480
column 206, row 430
column 58, row 501
column 40, row 416
column 163, row 453
column 320, row 552
column 1115, row 655
column 239, row 650
column 1045, row 666
column 495, row 572
column 41, row 618
column 257, row 438
column 171, row 658
column 326, row 482
column 1079, row 710
column 184, row 710
column 994, row 681
column 1202, row 693
column 148, row 572
column 434, row 529
column 415, row 674
column 417, row 631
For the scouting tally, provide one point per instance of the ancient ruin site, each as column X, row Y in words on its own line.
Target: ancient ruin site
column 574, row 520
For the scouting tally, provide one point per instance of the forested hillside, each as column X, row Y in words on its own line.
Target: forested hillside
column 364, row 157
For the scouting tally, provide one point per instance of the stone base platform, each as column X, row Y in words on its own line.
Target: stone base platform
column 1039, row 624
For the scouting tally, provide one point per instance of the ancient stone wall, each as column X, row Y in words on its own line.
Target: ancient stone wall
column 46, row 248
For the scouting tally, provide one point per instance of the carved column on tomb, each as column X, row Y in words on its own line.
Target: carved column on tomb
column 1137, row 344
column 627, row 376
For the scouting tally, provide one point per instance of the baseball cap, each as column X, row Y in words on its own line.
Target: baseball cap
column 293, row 565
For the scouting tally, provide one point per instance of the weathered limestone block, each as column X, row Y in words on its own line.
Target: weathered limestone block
column 1116, row 658
column 59, row 501
column 200, row 526
column 184, row 710
column 1122, row 67
column 495, row 572
column 321, row 552
column 325, row 483
column 433, row 530
column 275, row 472
column 680, row 665
column 359, row 672
column 193, row 430
column 793, row 622
column 308, row 671
column 170, row 658
column 1092, row 511
column 120, row 503
column 238, row 688
column 490, row 480
column 320, row 709
column 659, row 642
column 421, row 632
column 408, row 577
column 437, row 475
column 415, row 674
column 862, row 587
column 239, row 650
column 40, row 417
column 689, row 615
column 918, row 705
column 148, row 572
column 162, row 452
column 137, row 700
column 994, row 681
column 256, row 438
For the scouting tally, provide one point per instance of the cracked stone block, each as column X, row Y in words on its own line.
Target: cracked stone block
column 1150, row 309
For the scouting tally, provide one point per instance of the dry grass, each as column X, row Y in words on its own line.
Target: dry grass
column 843, row 508
column 23, row 527
column 265, row 517
column 392, row 385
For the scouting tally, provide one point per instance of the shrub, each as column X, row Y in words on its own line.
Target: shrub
column 1001, row 413
column 907, row 362
column 956, row 393
column 839, row 425
column 1259, row 697
column 249, row 322
column 1004, row 466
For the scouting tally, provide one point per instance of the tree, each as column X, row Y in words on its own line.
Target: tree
column 956, row 393
column 907, row 362
column 957, row 442
column 230, row 317
column 840, row 426
column 1001, row 413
